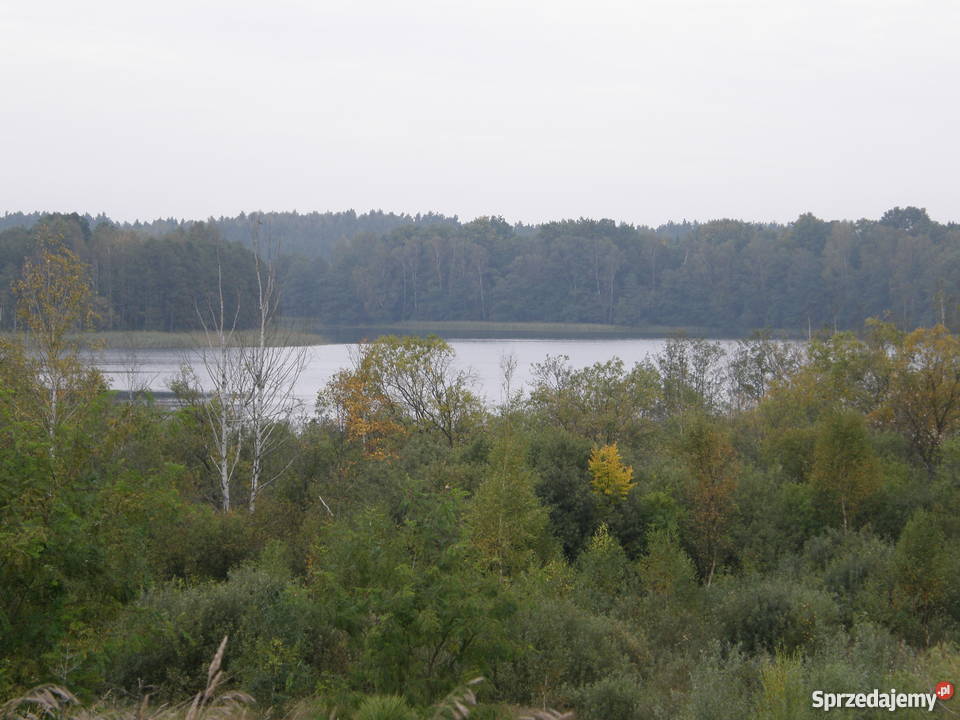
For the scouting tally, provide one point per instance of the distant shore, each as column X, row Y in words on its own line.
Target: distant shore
column 484, row 329
column 178, row 340
column 521, row 330
column 304, row 332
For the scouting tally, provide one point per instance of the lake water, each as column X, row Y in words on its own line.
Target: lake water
column 155, row 368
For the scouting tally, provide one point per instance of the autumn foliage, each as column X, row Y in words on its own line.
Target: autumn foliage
column 609, row 476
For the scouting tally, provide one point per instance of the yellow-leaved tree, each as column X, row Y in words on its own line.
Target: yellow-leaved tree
column 55, row 300
column 608, row 475
column 362, row 412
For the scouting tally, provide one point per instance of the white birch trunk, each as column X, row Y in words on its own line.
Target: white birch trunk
column 272, row 367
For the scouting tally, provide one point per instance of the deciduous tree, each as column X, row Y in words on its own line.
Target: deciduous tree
column 924, row 398
column 272, row 364
column 712, row 467
column 55, row 301
column 228, row 387
column 845, row 471
column 418, row 380
column 505, row 521
column 609, row 475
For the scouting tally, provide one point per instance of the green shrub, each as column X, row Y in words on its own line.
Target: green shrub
column 722, row 686
column 926, row 590
column 772, row 613
column 560, row 460
column 774, row 517
column 279, row 640
column 563, row 646
column 603, row 572
column 384, row 707
column 617, row 696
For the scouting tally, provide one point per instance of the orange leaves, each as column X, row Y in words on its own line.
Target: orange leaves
column 363, row 413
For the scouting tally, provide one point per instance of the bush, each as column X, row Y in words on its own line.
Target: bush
column 770, row 614
column 560, row 461
column 279, row 640
column 563, row 646
column 926, row 591
column 384, row 707
column 617, row 696
column 848, row 563
column 774, row 517
column 206, row 544
column 603, row 572
column 722, row 686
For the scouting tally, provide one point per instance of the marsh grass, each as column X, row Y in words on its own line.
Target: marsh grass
column 156, row 340
column 53, row 702
column 151, row 340
column 519, row 330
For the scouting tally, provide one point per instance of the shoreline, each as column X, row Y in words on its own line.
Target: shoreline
column 302, row 332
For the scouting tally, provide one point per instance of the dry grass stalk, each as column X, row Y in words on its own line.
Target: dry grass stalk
column 456, row 705
column 52, row 702
column 46, row 701
column 226, row 705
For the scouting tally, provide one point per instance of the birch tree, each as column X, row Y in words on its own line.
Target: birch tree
column 55, row 300
column 272, row 364
column 252, row 378
column 224, row 408
column 845, row 471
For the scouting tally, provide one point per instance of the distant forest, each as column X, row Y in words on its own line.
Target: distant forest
column 378, row 268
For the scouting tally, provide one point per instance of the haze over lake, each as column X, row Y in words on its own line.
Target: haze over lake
column 126, row 369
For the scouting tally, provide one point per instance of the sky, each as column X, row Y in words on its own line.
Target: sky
column 643, row 112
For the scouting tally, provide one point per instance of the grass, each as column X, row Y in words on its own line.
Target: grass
column 297, row 334
column 52, row 702
column 157, row 340
column 482, row 329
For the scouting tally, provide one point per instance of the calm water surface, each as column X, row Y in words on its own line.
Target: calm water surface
column 155, row 368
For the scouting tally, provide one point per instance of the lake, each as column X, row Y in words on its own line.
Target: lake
column 154, row 369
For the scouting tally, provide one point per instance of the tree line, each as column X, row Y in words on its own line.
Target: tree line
column 160, row 275
column 308, row 234
column 141, row 282
column 724, row 275
column 342, row 269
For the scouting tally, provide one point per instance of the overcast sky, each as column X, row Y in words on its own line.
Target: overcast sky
column 641, row 111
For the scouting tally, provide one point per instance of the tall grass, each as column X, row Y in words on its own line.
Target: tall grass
column 53, row 702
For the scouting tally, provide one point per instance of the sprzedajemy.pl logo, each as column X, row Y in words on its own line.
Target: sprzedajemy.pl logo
column 891, row 700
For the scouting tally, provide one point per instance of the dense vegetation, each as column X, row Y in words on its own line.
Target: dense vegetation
column 728, row 275
column 341, row 269
column 697, row 536
column 142, row 282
